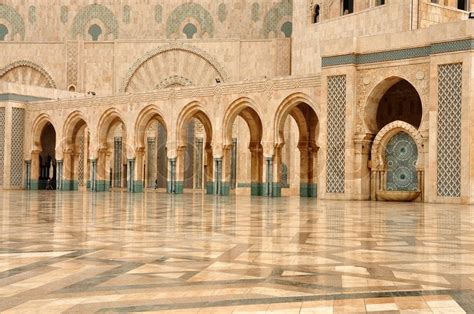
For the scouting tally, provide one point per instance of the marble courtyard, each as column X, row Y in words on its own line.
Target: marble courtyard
column 194, row 253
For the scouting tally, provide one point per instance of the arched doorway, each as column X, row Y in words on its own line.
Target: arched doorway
column 295, row 157
column 43, row 157
column 150, row 151
column 242, row 164
column 194, row 157
column 112, row 155
column 393, row 115
column 76, row 153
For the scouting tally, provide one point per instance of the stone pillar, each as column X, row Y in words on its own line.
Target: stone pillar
column 117, row 164
column 256, row 155
column 139, row 178
column 59, row 176
column 151, row 162
column 93, row 176
column 198, row 162
column 180, row 170
column 362, row 176
column 277, row 165
column 131, row 176
column 35, row 170
column 209, row 170
column 67, row 171
column 307, row 155
column 101, row 178
column 268, row 174
column 218, row 177
column 233, row 176
column 171, row 176
column 225, row 165
column 27, row 174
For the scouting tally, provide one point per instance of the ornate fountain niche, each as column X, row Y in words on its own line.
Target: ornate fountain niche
column 397, row 171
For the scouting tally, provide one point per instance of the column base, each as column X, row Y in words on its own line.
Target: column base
column 256, row 189
column 308, row 190
column 276, row 190
column 70, row 185
column 210, row 187
column 225, row 188
column 138, row 187
column 101, row 186
column 34, row 185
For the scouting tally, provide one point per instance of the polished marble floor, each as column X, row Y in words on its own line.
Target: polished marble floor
column 119, row 252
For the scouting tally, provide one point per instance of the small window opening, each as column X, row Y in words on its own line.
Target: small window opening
column 95, row 31
column 3, row 31
column 347, row 7
column 316, row 14
column 189, row 30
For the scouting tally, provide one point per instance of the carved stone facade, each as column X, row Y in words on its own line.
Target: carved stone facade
column 238, row 97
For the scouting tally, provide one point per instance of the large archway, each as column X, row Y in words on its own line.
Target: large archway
column 393, row 116
column 43, row 155
column 76, row 143
column 242, row 164
column 150, row 150
column 194, row 159
column 295, row 157
column 112, row 155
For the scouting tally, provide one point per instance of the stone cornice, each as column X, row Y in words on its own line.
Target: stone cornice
column 399, row 54
column 238, row 88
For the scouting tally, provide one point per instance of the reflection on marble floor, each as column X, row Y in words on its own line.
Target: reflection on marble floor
column 192, row 253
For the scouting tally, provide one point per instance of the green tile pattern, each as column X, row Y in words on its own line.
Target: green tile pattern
column 222, row 12
column 276, row 16
column 95, row 11
column 32, row 14
column 64, row 14
column 255, row 14
column 193, row 10
column 16, row 21
column 400, row 54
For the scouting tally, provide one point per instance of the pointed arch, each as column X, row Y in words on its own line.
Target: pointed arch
column 286, row 107
column 375, row 97
column 75, row 120
column 248, row 110
column 194, row 110
column 144, row 117
column 38, row 125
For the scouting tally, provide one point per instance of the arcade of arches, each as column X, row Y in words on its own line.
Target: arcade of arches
column 273, row 155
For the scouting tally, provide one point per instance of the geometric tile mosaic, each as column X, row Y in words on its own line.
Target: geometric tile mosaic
column 281, row 11
column 16, row 21
column 18, row 136
column 186, row 10
column 449, row 130
column 94, row 11
column 336, row 134
column 401, row 156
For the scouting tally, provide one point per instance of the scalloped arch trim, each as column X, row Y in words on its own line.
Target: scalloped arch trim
column 191, row 49
column 15, row 19
column 193, row 10
column 94, row 11
column 25, row 63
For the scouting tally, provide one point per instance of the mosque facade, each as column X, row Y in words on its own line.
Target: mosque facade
column 349, row 100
